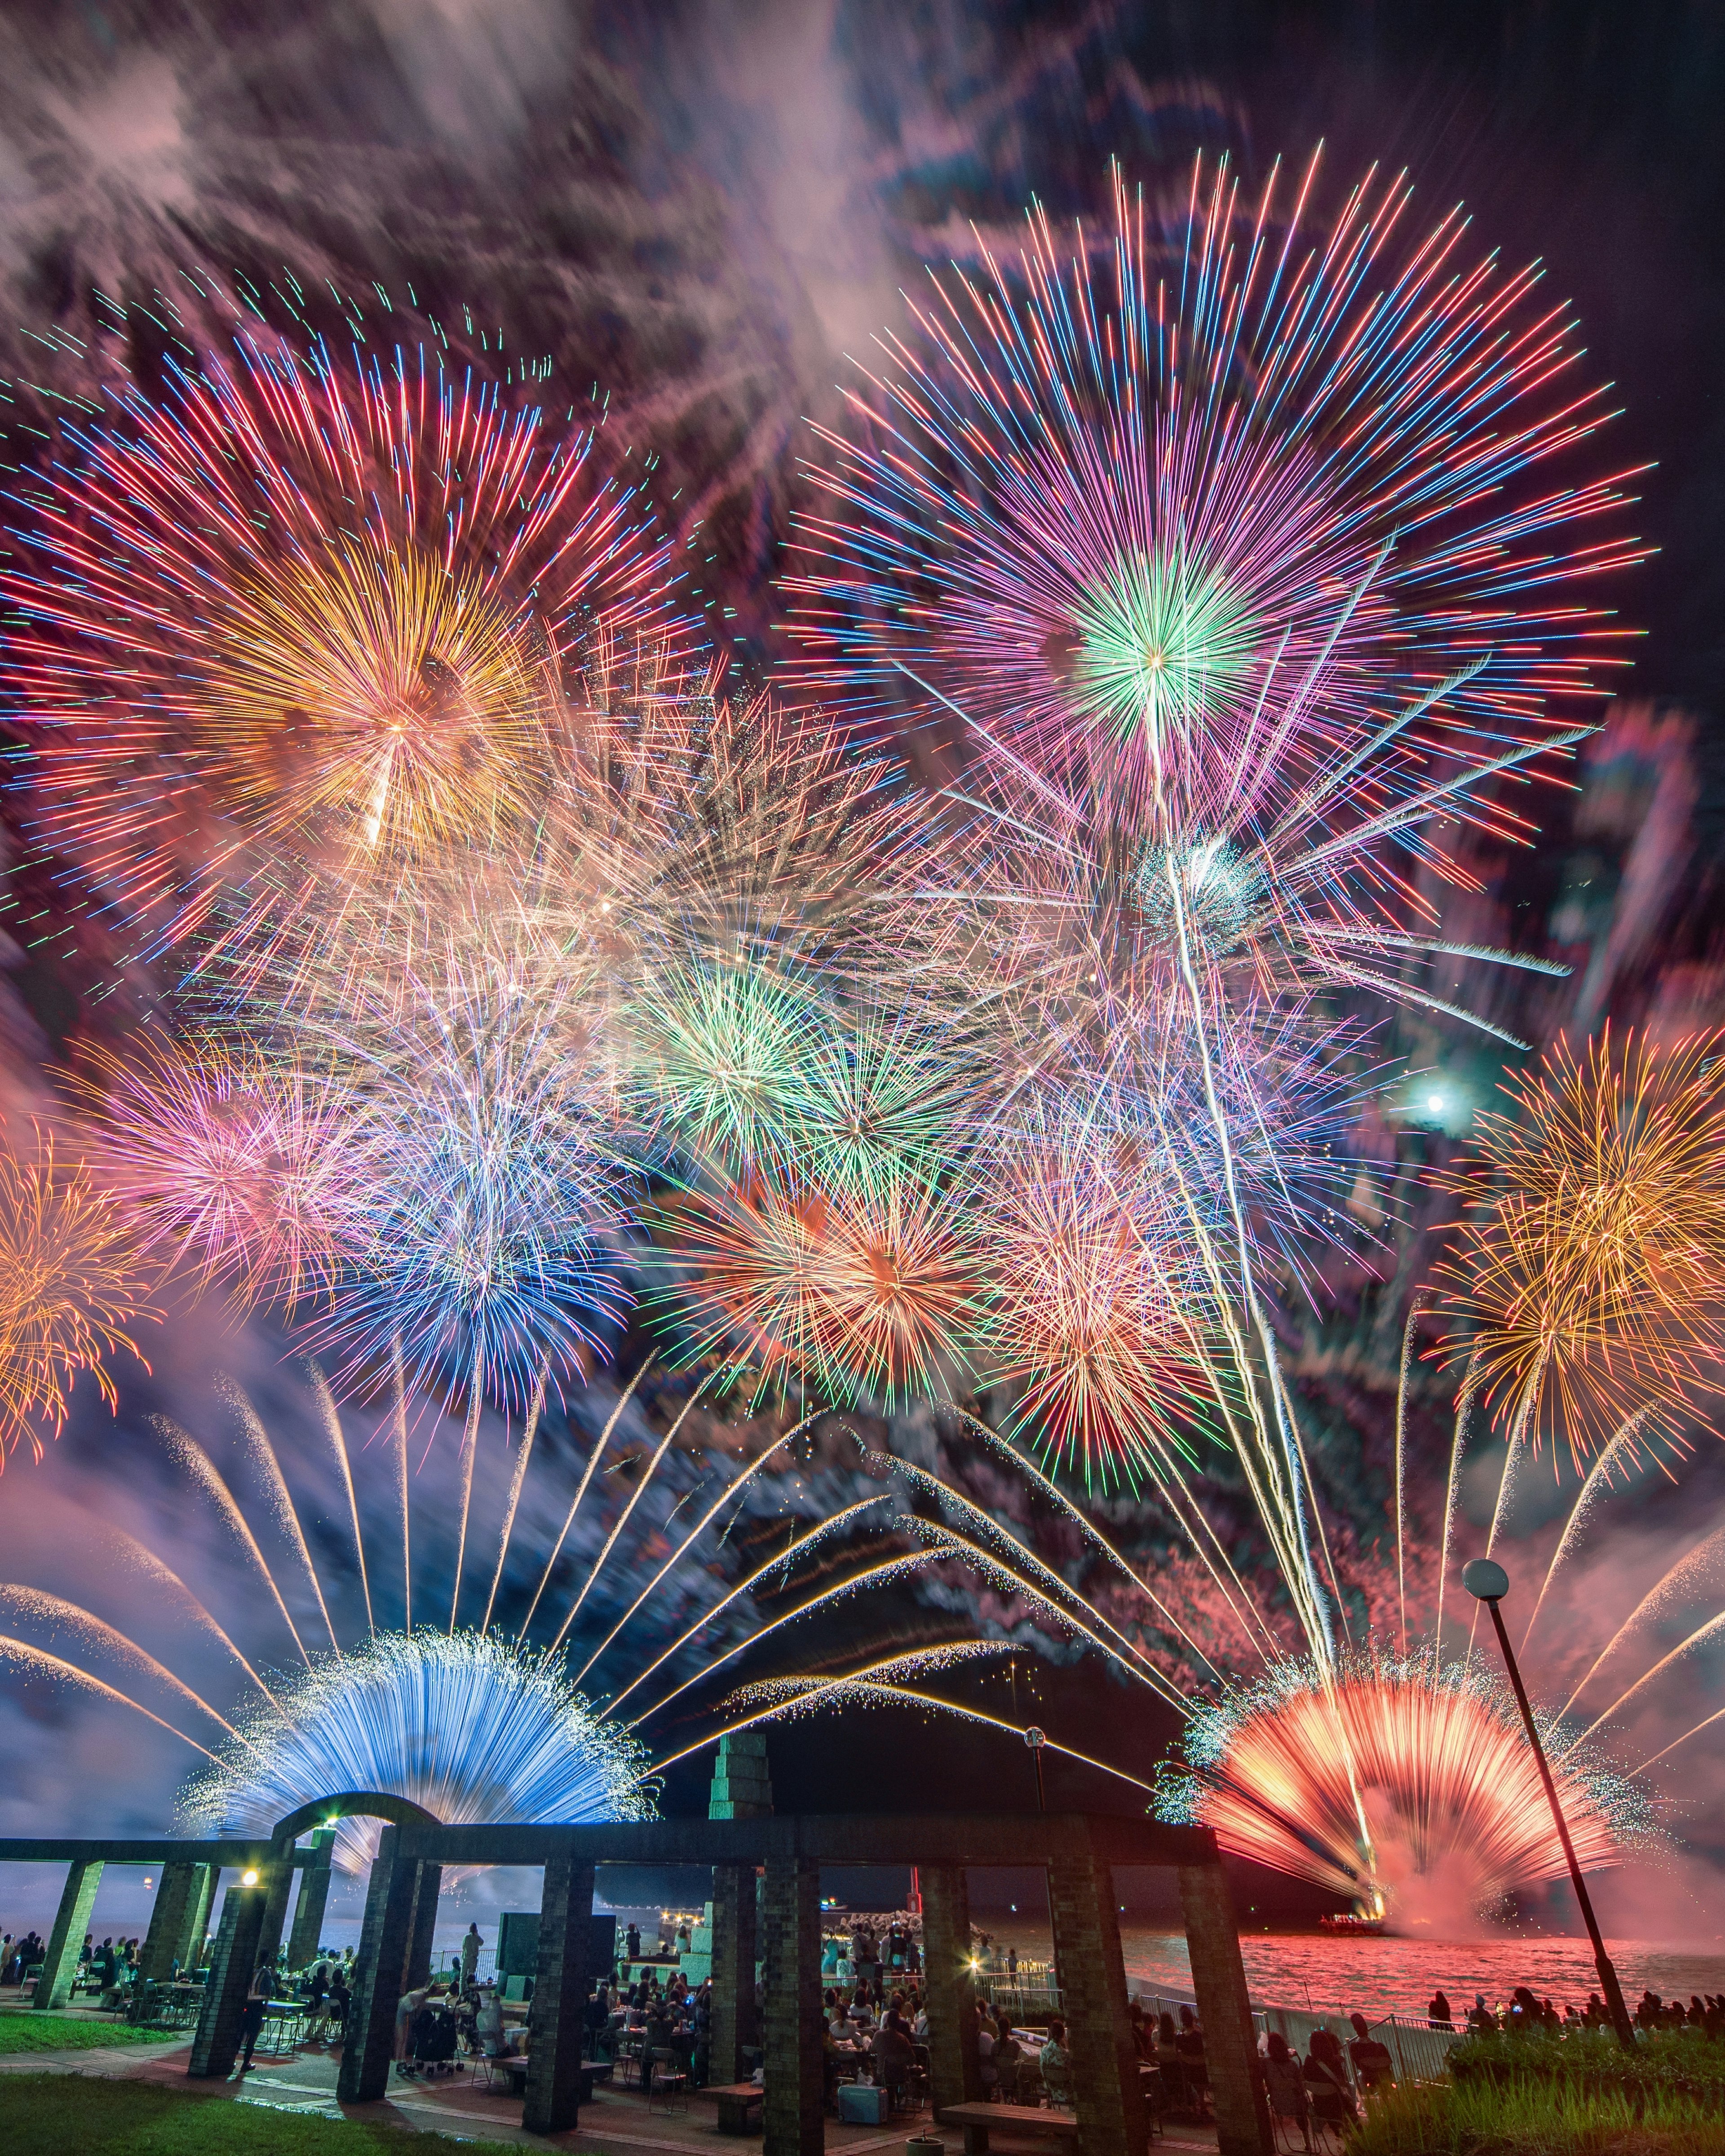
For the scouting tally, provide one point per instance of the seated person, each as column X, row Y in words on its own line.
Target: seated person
column 1325, row 2073
column 1285, row 2085
column 894, row 2057
column 1057, row 2064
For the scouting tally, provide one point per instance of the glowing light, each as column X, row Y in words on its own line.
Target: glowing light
column 472, row 1728
column 1415, row 1794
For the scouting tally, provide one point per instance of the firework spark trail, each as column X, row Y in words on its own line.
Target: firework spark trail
column 54, row 1609
column 201, row 1469
column 798, row 1546
column 1041, row 1578
column 524, row 1453
column 30, row 1657
column 809, row 1694
column 1693, row 1564
column 471, row 1728
column 283, row 1509
column 1622, row 1448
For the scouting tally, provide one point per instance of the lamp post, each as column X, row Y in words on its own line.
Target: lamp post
column 1487, row 1582
column 1035, row 1739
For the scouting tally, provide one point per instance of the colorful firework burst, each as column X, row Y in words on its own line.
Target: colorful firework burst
column 292, row 606
column 70, row 1267
column 1229, row 549
column 226, row 1161
column 857, row 1291
column 1589, row 1280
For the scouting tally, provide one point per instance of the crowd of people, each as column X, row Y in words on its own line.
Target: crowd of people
column 1526, row 2014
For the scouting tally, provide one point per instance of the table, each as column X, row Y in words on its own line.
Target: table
column 735, row 2102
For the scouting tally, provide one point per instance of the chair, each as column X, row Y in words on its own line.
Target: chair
column 669, row 2081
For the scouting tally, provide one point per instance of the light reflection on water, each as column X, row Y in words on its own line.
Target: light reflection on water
column 1384, row 1976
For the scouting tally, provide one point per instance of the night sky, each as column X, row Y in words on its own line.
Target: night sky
column 702, row 208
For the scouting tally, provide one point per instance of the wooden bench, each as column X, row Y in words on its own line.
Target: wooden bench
column 976, row 2119
column 516, row 2071
column 735, row 2100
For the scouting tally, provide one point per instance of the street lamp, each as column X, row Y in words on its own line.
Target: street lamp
column 1035, row 1739
column 1487, row 1582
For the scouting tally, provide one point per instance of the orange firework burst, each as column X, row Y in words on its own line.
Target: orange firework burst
column 866, row 1291
column 1591, row 1280
column 69, row 1267
column 224, row 1162
column 1443, row 1811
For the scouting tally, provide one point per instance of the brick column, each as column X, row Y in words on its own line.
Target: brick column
column 385, row 1937
column 954, row 2071
column 795, row 2102
column 429, row 1886
column 280, row 1888
column 561, row 1985
column 314, row 1898
column 1106, row 2093
column 222, row 2012
column 735, row 2021
column 197, row 1919
column 59, row 1962
column 177, row 1891
column 1219, row 1986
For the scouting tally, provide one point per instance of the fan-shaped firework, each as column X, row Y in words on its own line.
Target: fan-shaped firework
column 1590, row 1281
column 473, row 1727
column 293, row 602
column 69, row 1286
column 1393, row 1786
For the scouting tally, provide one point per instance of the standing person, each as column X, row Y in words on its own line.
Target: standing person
column 632, row 1941
column 257, row 2002
column 470, row 1946
column 1438, row 2013
column 1012, row 1965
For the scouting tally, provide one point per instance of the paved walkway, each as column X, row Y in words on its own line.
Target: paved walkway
column 460, row 2104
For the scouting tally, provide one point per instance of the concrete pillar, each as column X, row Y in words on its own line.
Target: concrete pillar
column 1218, row 1984
column 1106, row 2093
column 429, row 1886
column 304, row 1939
column 735, row 2023
column 742, row 1786
column 59, row 1961
column 221, row 2014
column 560, row 1984
column 198, row 1923
column 954, row 2070
column 385, row 1935
column 279, row 1886
column 176, row 1893
column 792, row 2110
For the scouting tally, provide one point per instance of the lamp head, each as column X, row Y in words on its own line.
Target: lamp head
column 1486, row 1580
column 1034, row 1738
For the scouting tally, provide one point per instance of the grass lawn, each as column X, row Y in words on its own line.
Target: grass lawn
column 1538, row 2116
column 53, row 2032
column 51, row 2112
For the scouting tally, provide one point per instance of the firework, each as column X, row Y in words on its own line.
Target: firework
column 1406, row 1790
column 870, row 1293
column 71, row 1272
column 1230, row 552
column 224, row 1160
column 472, row 1728
column 1590, row 1281
column 292, row 605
